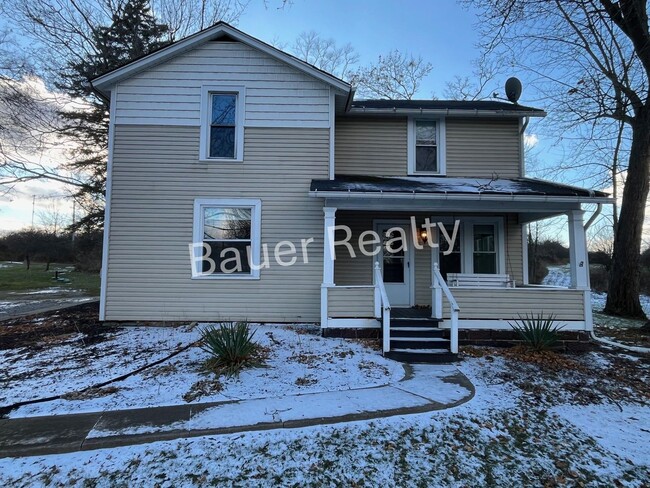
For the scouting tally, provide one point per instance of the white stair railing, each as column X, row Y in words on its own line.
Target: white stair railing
column 439, row 287
column 382, row 307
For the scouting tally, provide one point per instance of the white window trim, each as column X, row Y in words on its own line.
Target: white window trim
column 256, row 233
column 441, row 137
column 466, row 236
column 206, row 91
column 468, row 242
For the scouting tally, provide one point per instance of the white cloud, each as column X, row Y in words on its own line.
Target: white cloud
column 16, row 202
column 530, row 140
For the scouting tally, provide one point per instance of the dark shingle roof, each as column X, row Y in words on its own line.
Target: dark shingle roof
column 450, row 185
column 491, row 105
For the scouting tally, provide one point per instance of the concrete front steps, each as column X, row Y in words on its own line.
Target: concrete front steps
column 418, row 340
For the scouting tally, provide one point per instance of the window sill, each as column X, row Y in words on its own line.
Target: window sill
column 220, row 160
column 422, row 173
column 227, row 277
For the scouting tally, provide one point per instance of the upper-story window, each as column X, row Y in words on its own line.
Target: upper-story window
column 222, row 127
column 426, row 147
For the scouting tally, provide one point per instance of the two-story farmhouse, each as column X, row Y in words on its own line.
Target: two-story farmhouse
column 246, row 184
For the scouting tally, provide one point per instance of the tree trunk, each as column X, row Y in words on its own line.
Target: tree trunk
column 623, row 294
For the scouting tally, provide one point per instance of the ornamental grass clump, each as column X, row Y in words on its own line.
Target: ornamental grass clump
column 538, row 331
column 230, row 346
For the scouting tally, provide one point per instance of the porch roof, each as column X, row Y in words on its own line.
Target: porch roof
column 435, row 187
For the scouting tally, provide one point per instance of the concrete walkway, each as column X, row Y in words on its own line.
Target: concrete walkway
column 425, row 388
column 24, row 308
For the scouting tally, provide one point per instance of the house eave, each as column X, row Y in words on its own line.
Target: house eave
column 477, row 197
column 104, row 82
column 444, row 112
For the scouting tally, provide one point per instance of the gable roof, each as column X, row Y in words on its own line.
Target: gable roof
column 445, row 106
column 104, row 82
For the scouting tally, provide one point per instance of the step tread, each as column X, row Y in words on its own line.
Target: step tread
column 419, row 329
column 418, row 339
column 421, row 351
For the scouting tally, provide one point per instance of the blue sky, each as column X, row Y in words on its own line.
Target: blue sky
column 441, row 31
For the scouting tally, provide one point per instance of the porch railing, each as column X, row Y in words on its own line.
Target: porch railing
column 382, row 308
column 439, row 287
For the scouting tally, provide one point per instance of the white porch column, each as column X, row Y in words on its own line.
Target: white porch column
column 578, row 251
column 328, row 262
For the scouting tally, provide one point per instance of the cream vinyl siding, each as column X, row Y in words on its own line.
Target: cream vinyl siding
column 371, row 146
column 482, row 147
column 351, row 302
column 358, row 270
column 276, row 93
column 157, row 176
column 478, row 147
column 508, row 303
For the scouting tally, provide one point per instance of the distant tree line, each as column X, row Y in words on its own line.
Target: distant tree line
column 551, row 252
column 37, row 247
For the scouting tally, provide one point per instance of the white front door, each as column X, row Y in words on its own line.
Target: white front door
column 395, row 262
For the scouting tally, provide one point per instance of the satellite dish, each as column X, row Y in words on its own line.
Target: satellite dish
column 513, row 89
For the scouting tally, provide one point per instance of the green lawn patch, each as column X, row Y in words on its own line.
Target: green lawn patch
column 16, row 277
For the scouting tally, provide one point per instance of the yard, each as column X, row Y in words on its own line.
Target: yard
column 549, row 420
column 24, row 290
column 51, row 359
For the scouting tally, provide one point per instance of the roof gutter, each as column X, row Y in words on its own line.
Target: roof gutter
column 595, row 215
column 350, row 195
column 445, row 112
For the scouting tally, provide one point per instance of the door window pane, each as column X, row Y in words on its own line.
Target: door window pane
column 393, row 261
column 393, row 270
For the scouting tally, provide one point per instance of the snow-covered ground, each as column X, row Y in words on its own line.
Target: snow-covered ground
column 300, row 361
column 561, row 276
column 624, row 429
column 503, row 437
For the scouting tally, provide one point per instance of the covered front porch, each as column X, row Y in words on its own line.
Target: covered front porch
column 463, row 263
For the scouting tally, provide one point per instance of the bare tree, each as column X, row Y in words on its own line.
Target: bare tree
column 591, row 60
column 394, row 76
column 52, row 218
column 480, row 86
column 59, row 34
column 326, row 54
column 184, row 17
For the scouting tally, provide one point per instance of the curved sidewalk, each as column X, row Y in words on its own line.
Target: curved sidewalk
column 425, row 388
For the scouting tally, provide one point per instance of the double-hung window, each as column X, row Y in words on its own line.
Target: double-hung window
column 479, row 248
column 222, row 130
column 426, row 147
column 226, row 238
column 223, row 125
